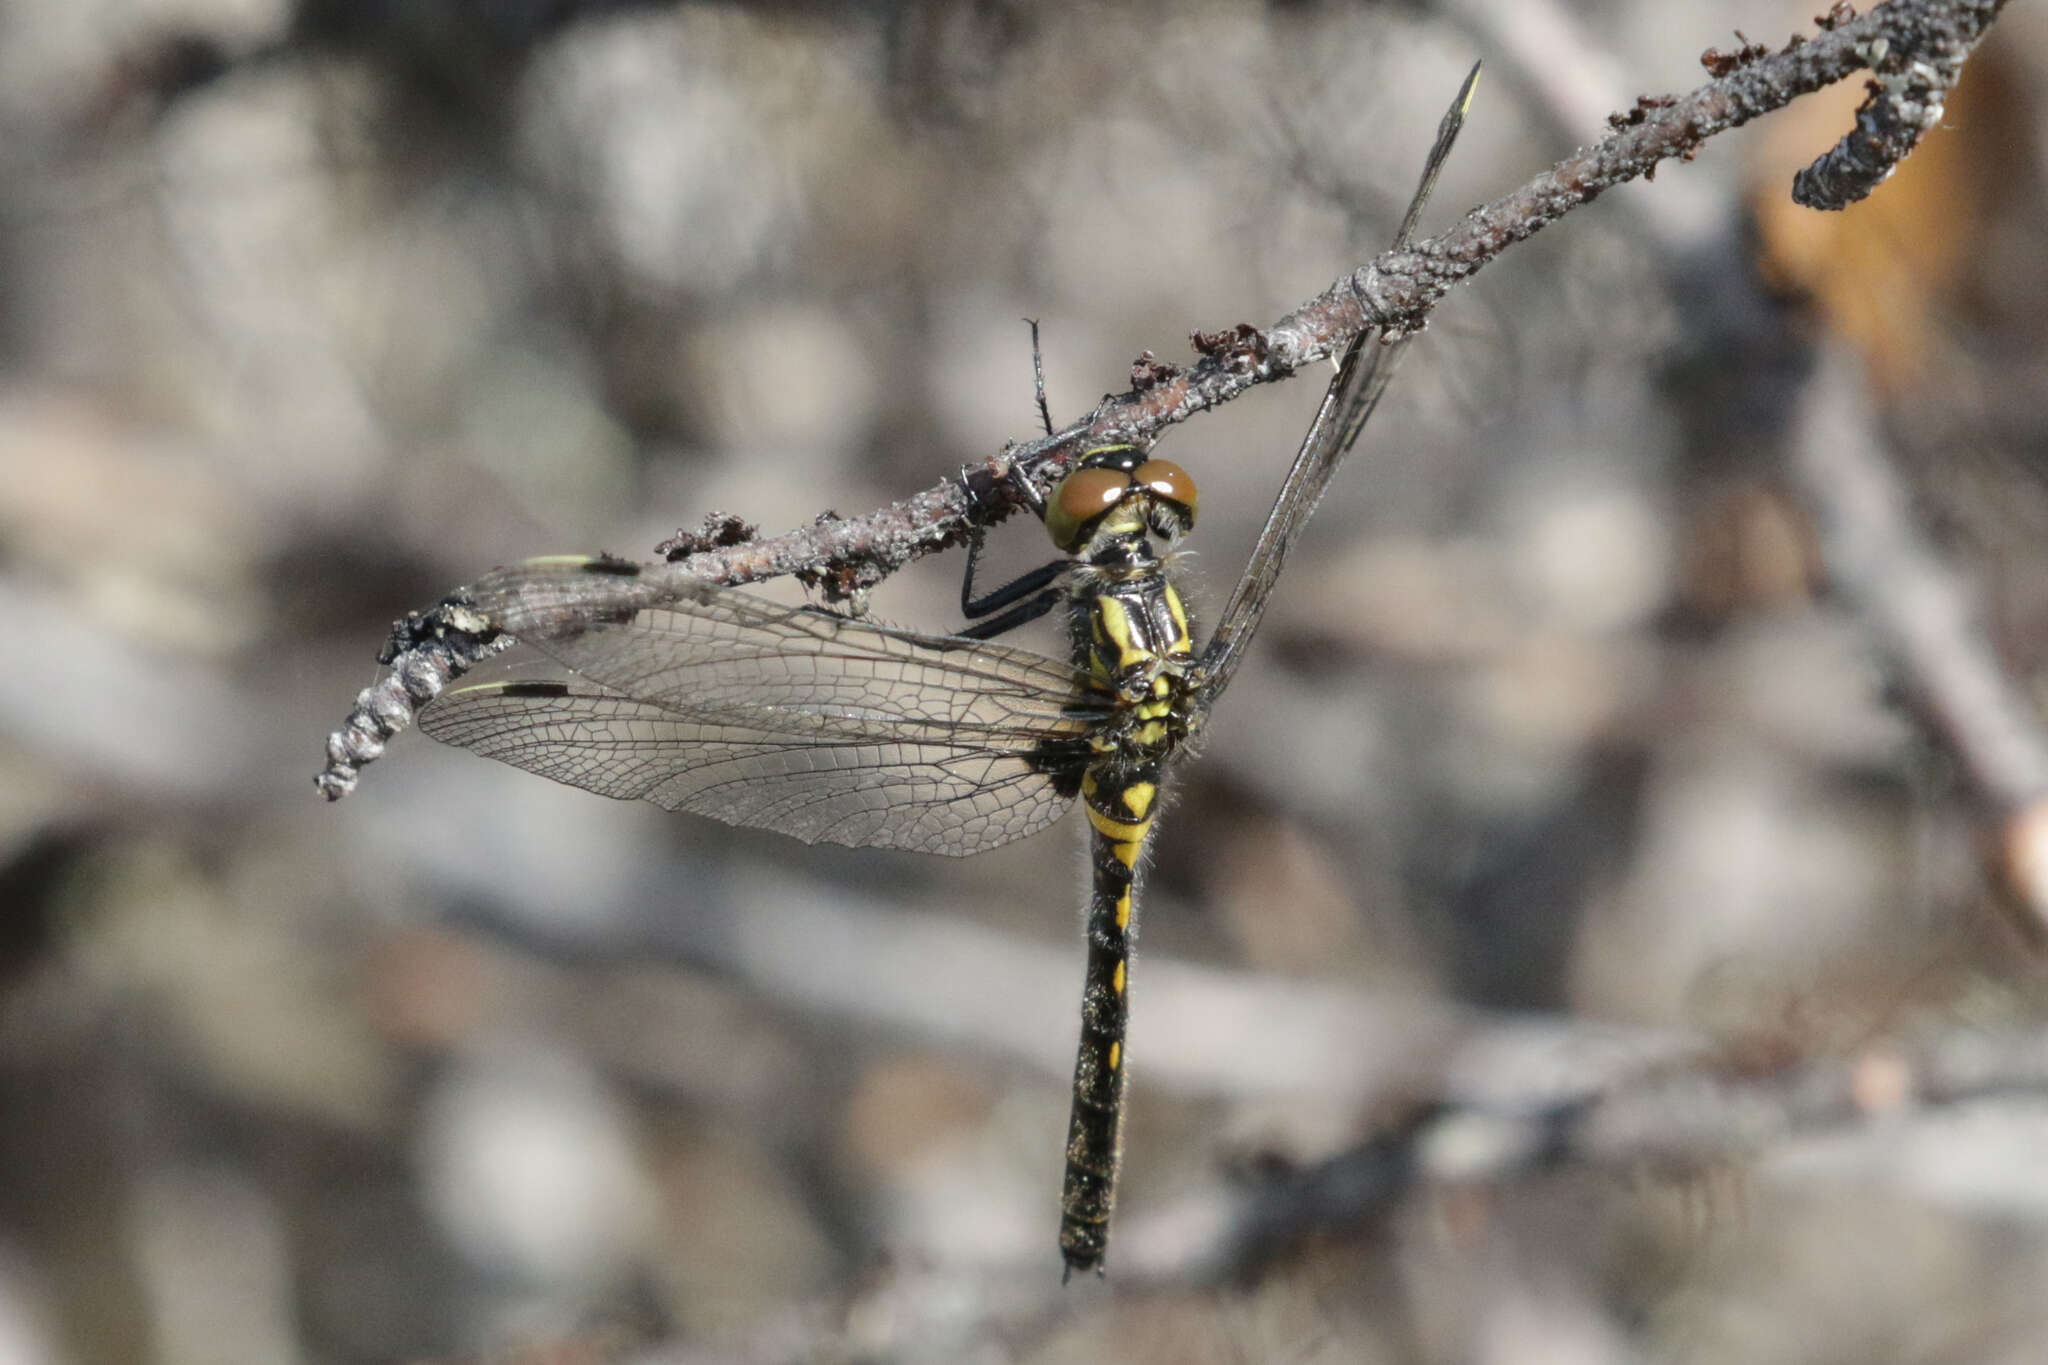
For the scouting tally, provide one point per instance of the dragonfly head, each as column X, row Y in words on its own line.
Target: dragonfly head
column 1119, row 491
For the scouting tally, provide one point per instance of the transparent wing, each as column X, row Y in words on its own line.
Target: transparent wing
column 714, row 701
column 1349, row 402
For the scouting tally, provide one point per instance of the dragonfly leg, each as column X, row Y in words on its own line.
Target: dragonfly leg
column 1025, row 598
column 1040, row 595
column 1038, row 377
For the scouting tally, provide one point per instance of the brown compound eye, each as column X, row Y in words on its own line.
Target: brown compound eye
column 1169, row 483
column 1082, row 497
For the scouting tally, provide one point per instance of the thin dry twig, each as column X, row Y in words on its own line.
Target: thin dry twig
column 1392, row 294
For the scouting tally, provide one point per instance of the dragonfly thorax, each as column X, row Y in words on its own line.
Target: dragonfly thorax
column 1131, row 631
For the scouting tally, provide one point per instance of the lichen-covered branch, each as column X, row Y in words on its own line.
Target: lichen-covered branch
column 1905, row 102
column 1393, row 294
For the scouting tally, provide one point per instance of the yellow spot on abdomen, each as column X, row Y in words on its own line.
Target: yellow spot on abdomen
column 1138, row 798
column 1118, row 983
column 1123, row 910
column 1117, row 830
column 1116, row 1055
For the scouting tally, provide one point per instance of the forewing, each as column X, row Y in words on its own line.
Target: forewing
column 1354, row 394
column 711, row 700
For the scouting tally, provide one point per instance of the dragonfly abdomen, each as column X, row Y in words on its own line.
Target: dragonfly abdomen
column 1130, row 632
column 1120, row 799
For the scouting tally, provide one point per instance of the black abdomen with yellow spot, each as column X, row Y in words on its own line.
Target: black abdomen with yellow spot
column 1130, row 632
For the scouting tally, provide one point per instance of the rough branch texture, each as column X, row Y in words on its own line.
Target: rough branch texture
column 1905, row 103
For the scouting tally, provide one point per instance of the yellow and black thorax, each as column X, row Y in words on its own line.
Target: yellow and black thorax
column 1127, row 624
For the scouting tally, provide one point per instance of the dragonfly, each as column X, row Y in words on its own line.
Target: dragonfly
column 708, row 699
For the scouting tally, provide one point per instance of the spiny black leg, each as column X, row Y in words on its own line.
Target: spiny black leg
column 1011, row 595
column 1029, row 609
column 1018, row 588
column 1036, row 586
column 1024, row 598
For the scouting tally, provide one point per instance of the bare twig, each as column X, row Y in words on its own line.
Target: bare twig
column 1393, row 294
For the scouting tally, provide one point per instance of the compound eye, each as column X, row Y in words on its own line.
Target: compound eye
column 1168, row 482
column 1080, row 500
